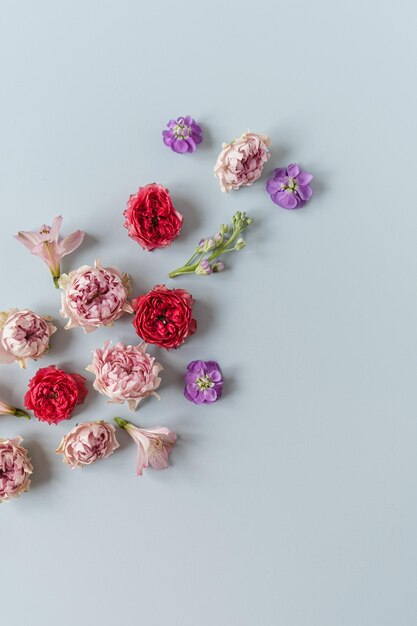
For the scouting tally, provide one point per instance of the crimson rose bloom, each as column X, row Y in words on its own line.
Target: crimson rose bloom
column 164, row 316
column 151, row 218
column 53, row 394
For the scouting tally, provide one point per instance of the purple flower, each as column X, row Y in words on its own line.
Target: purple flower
column 203, row 382
column 289, row 187
column 183, row 135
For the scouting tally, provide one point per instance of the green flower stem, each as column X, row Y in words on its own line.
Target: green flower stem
column 240, row 222
column 21, row 413
column 190, row 269
column 120, row 422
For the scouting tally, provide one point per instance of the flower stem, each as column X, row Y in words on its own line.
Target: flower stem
column 120, row 422
column 21, row 413
column 56, row 279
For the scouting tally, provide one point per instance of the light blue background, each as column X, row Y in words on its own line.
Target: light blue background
column 293, row 500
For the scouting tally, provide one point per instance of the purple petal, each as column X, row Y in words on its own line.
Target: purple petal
column 195, row 365
column 304, row 178
column 210, row 395
column 293, row 170
column 198, row 137
column 215, row 376
column 273, row 185
column 305, row 192
column 279, row 173
column 167, row 138
column 285, row 199
column 191, row 144
column 180, row 146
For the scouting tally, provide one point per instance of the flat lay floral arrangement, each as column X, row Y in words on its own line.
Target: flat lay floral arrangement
column 97, row 295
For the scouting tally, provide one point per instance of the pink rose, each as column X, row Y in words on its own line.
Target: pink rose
column 94, row 296
column 15, row 469
column 87, row 443
column 125, row 373
column 23, row 335
column 240, row 162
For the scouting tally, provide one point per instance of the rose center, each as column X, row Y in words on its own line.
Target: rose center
column 181, row 131
column 162, row 318
column 291, row 185
column 204, row 382
column 52, row 396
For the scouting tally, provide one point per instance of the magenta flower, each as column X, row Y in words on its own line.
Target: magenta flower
column 203, row 382
column 183, row 135
column 290, row 187
column 45, row 244
column 154, row 445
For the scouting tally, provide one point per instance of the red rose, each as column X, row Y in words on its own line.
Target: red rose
column 53, row 394
column 151, row 218
column 164, row 316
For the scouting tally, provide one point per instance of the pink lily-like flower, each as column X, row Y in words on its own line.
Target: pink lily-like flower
column 8, row 409
column 45, row 244
column 154, row 445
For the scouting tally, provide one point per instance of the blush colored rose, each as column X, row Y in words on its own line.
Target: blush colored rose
column 151, row 218
column 241, row 162
column 94, row 296
column 164, row 316
column 24, row 335
column 15, row 469
column 125, row 373
column 53, row 394
column 87, row 443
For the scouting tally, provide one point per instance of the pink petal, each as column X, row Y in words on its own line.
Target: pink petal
column 56, row 228
column 70, row 243
column 29, row 240
column 141, row 460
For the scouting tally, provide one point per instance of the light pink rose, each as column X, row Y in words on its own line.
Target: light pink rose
column 15, row 469
column 125, row 373
column 154, row 445
column 94, row 296
column 87, row 443
column 240, row 162
column 24, row 335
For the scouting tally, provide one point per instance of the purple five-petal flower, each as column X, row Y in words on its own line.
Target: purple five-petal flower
column 203, row 382
column 290, row 187
column 183, row 135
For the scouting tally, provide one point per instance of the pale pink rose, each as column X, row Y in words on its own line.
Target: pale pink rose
column 154, row 445
column 125, row 373
column 87, row 443
column 94, row 296
column 15, row 469
column 240, row 162
column 24, row 335
column 45, row 244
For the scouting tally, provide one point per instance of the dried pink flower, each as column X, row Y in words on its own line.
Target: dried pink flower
column 87, row 443
column 94, row 296
column 240, row 162
column 125, row 373
column 15, row 469
column 24, row 335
